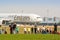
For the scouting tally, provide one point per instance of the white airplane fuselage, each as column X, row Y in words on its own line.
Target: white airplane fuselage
column 20, row 17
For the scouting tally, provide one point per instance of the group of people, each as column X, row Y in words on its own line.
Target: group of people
column 42, row 30
column 27, row 30
column 13, row 28
column 37, row 30
column 46, row 30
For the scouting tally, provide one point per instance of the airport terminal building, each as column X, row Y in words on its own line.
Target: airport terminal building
column 50, row 21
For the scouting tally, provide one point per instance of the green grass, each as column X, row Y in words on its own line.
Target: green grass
column 29, row 37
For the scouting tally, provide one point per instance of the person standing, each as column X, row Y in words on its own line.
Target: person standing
column 32, row 30
column 43, row 30
column 17, row 28
column 25, row 30
column 38, row 30
column 0, row 29
column 11, row 28
column 35, row 28
column 29, row 30
column 55, row 28
column 14, row 27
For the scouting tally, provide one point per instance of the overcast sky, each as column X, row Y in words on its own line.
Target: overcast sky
column 47, row 8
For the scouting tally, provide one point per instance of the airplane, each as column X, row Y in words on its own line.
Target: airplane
column 28, row 18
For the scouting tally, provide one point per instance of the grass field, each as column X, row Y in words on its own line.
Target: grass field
column 29, row 37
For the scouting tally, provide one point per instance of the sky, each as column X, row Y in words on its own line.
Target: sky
column 44, row 8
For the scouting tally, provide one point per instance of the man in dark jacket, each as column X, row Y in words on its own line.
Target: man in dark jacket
column 35, row 28
column 11, row 28
column 55, row 28
column 32, row 30
column 14, row 26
